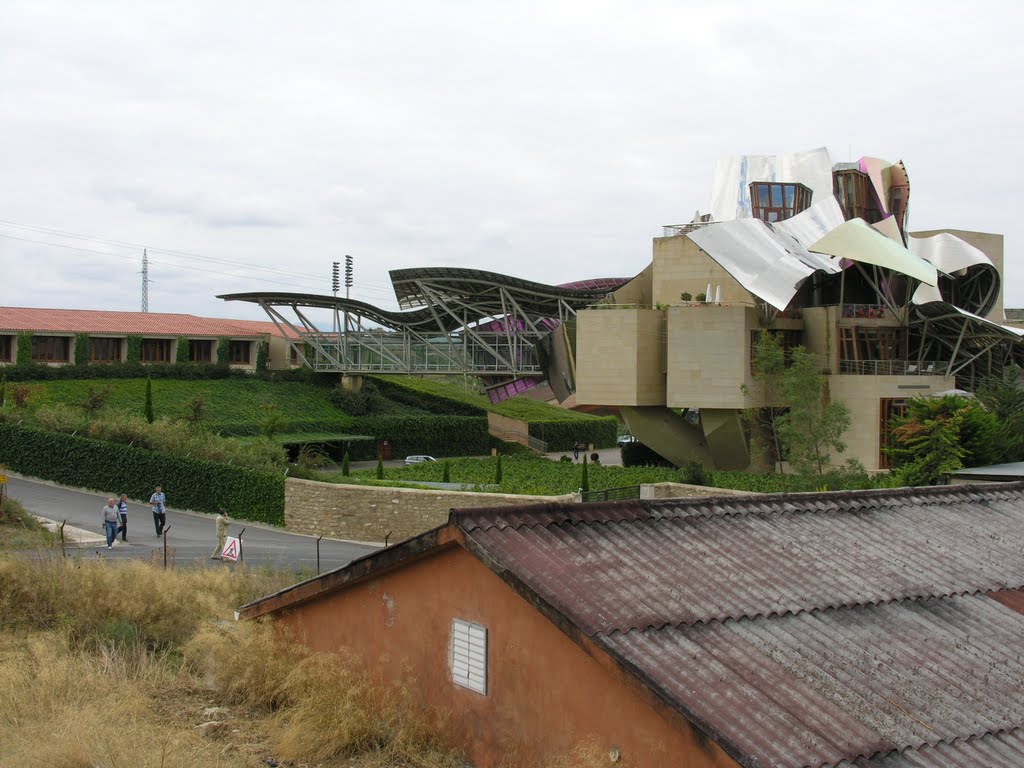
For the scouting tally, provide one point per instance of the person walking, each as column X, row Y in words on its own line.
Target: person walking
column 159, row 503
column 223, row 521
column 110, row 520
column 122, row 512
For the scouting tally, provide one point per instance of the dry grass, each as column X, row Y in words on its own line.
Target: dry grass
column 104, row 665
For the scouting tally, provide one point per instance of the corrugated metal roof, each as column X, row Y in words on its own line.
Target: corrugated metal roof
column 651, row 564
column 801, row 630
column 113, row 322
column 822, row 687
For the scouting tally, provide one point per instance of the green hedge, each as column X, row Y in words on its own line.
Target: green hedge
column 133, row 351
column 82, row 349
column 183, row 350
column 112, row 468
column 562, row 435
column 434, row 435
column 25, row 350
column 184, row 371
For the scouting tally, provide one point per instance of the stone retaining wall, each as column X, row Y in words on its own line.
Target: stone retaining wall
column 370, row 513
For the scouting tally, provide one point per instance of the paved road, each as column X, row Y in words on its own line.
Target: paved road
column 190, row 536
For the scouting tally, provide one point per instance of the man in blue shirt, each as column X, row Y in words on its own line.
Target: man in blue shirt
column 158, row 500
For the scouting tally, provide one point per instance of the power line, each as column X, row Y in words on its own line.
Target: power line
column 299, row 276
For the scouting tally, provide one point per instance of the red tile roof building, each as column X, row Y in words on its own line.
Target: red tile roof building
column 63, row 324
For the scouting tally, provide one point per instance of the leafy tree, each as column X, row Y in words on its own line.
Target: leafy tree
column 498, row 471
column 939, row 435
column 195, row 412
column 799, row 424
column 446, row 472
column 813, row 428
column 380, row 469
column 767, row 367
column 149, row 400
column 585, row 479
column 345, row 465
column 1003, row 397
column 95, row 399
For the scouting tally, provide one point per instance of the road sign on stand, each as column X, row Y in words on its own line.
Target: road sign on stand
column 231, row 548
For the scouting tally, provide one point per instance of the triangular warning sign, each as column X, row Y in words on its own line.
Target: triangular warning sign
column 231, row 547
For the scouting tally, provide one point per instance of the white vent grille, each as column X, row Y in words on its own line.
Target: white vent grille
column 469, row 655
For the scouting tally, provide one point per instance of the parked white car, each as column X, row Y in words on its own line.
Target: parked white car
column 418, row 458
column 626, row 440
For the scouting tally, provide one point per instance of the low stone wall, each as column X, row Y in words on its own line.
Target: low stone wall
column 369, row 513
column 683, row 490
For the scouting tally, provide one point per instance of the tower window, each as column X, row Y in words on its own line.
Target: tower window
column 773, row 201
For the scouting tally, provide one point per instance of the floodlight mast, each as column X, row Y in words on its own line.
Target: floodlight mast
column 348, row 285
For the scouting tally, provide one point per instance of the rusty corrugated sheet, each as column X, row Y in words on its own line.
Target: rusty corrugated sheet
column 827, row 629
column 993, row 750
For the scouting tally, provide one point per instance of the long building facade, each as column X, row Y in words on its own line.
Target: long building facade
column 819, row 254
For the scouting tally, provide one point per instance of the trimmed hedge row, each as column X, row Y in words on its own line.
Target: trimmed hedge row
column 112, row 468
column 136, row 370
column 562, row 435
column 434, row 435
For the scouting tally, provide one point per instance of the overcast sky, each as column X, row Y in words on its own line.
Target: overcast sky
column 249, row 145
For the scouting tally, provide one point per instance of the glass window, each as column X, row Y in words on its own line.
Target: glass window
column 103, row 350
column 778, row 202
column 201, row 350
column 6, row 349
column 155, row 351
column 241, row 352
column 51, row 349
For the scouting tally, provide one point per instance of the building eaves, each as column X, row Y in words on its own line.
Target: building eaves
column 372, row 565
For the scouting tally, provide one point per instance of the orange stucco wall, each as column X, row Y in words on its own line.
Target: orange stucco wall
column 545, row 693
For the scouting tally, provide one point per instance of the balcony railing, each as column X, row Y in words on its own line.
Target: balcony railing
column 891, row 368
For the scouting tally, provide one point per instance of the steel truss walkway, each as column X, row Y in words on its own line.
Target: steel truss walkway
column 455, row 321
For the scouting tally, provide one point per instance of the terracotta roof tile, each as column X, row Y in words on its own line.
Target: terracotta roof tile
column 146, row 323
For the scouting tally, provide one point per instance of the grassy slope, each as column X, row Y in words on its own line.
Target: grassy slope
column 521, row 407
column 229, row 402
